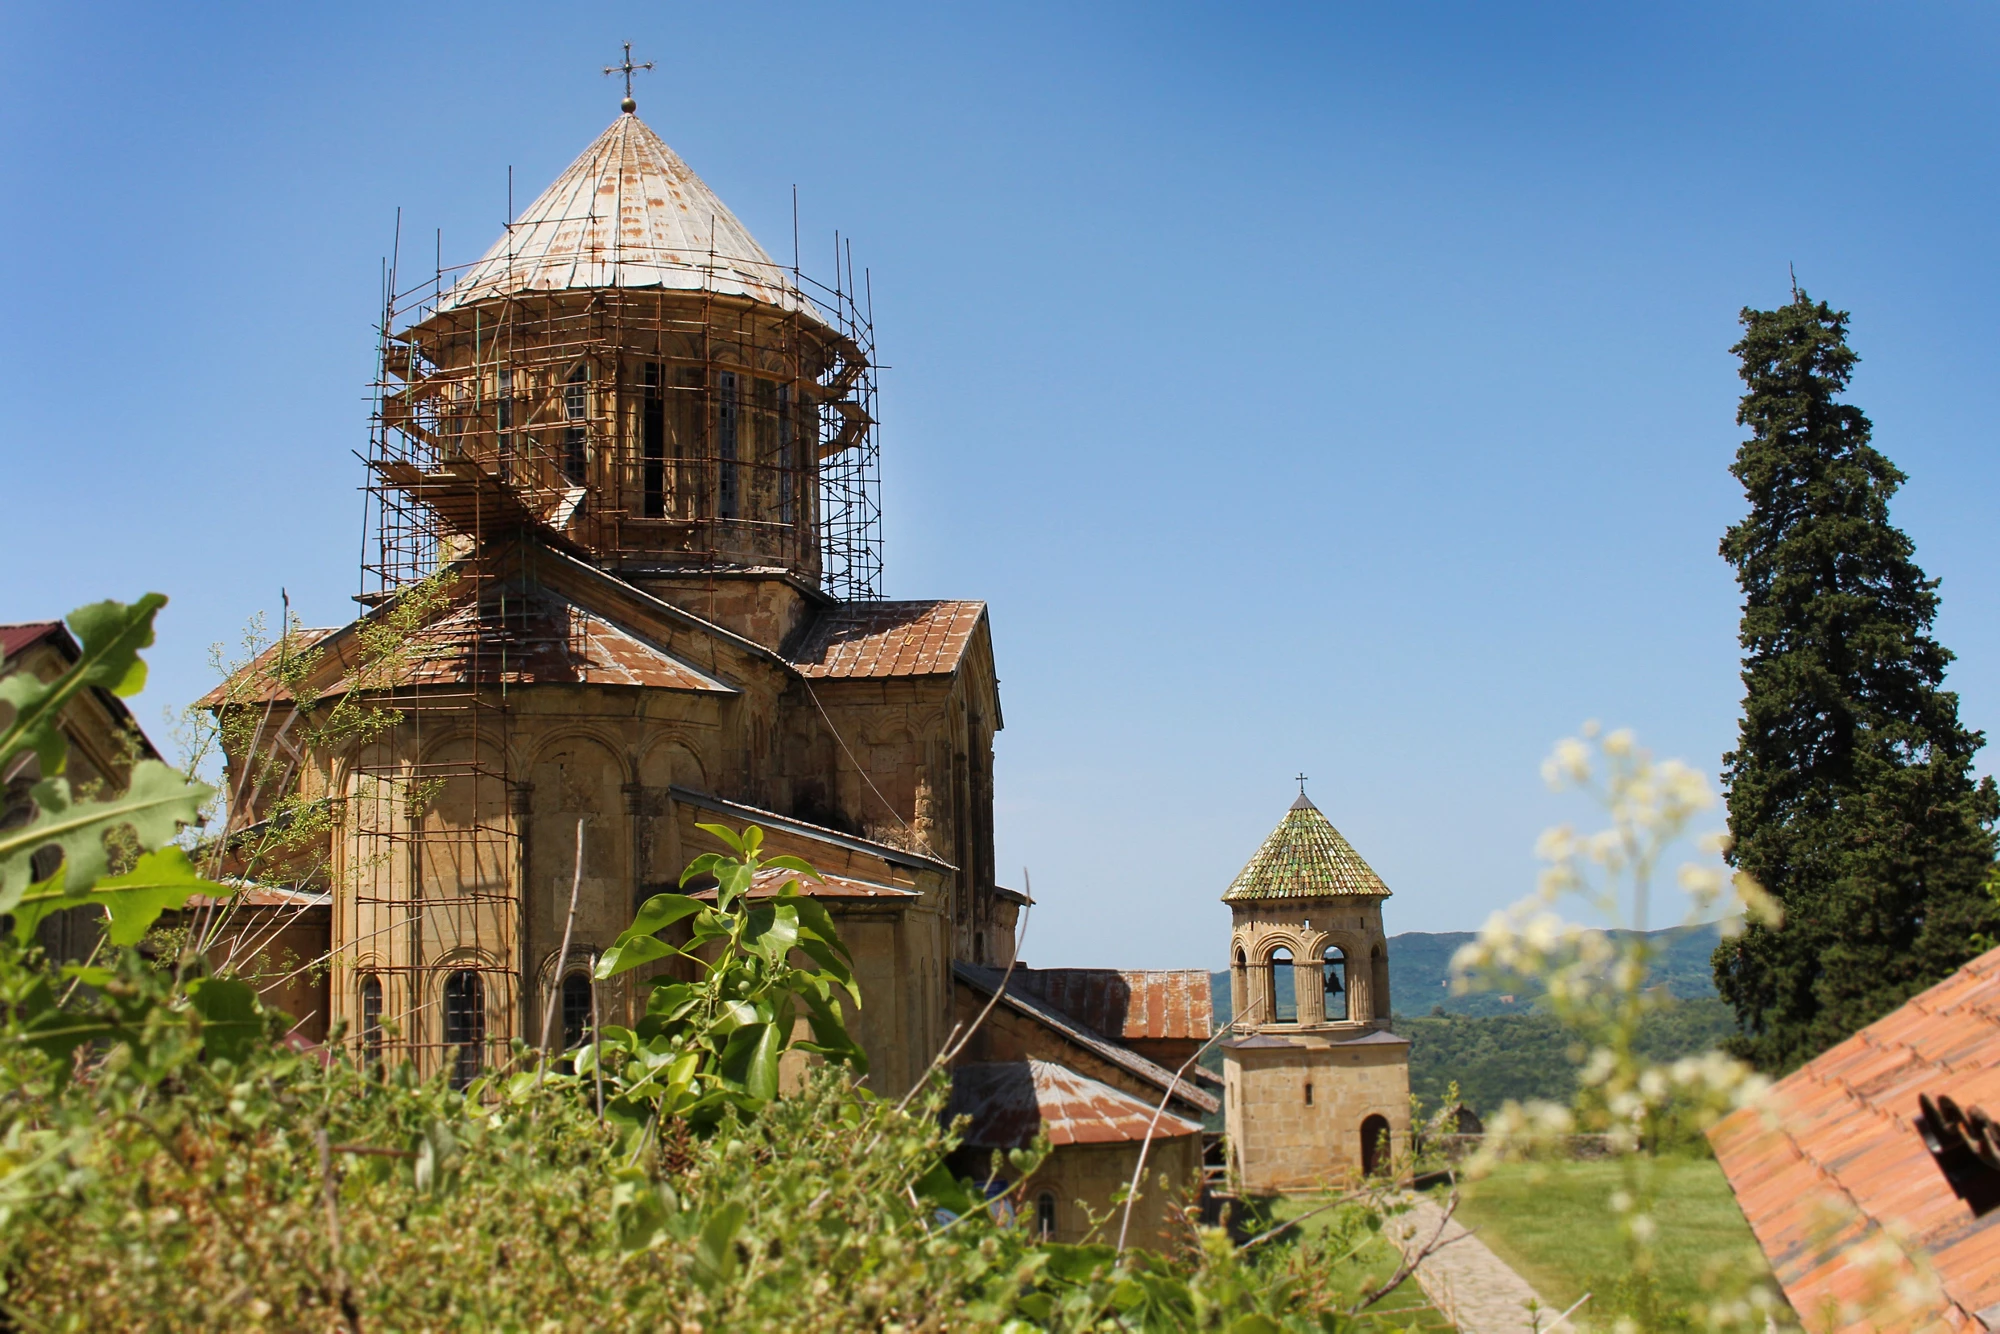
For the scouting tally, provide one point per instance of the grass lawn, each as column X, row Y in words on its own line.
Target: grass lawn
column 1552, row 1222
column 1406, row 1307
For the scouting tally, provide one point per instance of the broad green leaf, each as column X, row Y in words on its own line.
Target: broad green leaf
column 715, row 1253
column 637, row 944
column 773, row 930
column 814, row 918
column 732, row 881
column 231, row 1024
column 939, row 1187
column 110, row 635
column 133, row 901
column 706, row 864
column 724, row 834
column 156, row 803
column 750, row 1061
column 1080, row 1264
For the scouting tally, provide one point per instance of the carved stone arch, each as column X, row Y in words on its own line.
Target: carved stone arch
column 1281, row 938
column 607, row 739
column 667, row 759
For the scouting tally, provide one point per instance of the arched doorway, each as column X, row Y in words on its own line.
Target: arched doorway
column 1374, row 1144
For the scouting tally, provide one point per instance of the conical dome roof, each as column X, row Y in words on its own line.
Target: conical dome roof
column 628, row 213
column 1305, row 858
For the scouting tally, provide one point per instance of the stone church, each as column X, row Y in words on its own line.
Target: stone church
column 622, row 512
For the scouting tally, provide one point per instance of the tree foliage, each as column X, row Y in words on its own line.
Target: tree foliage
column 1849, row 790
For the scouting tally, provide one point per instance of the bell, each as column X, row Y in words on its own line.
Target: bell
column 1333, row 987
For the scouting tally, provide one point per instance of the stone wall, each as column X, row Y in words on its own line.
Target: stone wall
column 1295, row 1109
column 1083, row 1179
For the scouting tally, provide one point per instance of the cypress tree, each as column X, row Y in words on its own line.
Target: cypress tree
column 1849, row 792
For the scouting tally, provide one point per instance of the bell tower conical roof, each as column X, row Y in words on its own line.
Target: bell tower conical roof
column 1305, row 857
column 628, row 213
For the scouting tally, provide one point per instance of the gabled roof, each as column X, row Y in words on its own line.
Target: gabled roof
column 1127, row 1003
column 544, row 637
column 17, row 639
column 628, row 213
column 876, row 639
column 1021, row 1001
column 826, row 885
column 1835, row 1160
column 1008, row 1102
column 833, row 837
column 1305, row 858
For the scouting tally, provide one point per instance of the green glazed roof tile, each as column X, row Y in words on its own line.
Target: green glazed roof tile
column 1305, row 858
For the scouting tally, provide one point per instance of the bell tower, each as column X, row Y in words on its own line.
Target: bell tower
column 1317, row 1085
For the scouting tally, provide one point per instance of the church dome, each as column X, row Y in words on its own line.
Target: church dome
column 1305, row 858
column 628, row 213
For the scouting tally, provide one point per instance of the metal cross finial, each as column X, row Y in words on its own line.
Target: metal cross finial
column 1302, row 783
column 628, row 69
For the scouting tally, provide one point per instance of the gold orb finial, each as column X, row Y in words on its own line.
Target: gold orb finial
column 628, row 106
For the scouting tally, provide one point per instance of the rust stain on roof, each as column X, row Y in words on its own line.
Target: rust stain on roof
column 1128, row 1003
column 1010, row 1101
column 874, row 639
column 542, row 638
column 1837, row 1160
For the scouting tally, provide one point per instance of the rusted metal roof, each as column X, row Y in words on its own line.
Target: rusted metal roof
column 769, row 881
column 249, row 894
column 873, row 639
column 1305, row 858
column 757, row 815
column 541, row 638
column 20, row 638
column 1022, row 1001
column 1837, row 1160
column 1009, row 1102
column 628, row 213
column 1128, row 1003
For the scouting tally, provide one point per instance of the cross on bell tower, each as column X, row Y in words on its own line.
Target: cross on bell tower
column 628, row 69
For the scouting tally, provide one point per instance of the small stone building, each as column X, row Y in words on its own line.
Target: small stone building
column 1316, row 1085
column 1096, row 1134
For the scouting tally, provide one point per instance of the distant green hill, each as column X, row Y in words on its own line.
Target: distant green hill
column 1498, row 1049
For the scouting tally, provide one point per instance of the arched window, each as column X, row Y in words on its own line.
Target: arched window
column 727, row 498
column 1333, row 983
column 1045, row 1214
column 1374, row 1144
column 464, row 1026
column 1378, row 982
column 575, row 1010
column 371, row 1020
column 1239, row 988
column 576, row 407
column 1284, row 987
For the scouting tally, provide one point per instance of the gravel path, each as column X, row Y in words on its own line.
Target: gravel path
column 1468, row 1284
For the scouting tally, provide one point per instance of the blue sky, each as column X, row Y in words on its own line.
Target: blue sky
column 1329, row 388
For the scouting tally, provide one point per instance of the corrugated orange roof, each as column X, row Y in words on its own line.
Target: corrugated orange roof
column 1127, row 1003
column 1836, row 1159
column 1009, row 1101
column 870, row 639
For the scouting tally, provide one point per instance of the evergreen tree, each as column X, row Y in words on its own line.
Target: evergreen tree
column 1849, row 791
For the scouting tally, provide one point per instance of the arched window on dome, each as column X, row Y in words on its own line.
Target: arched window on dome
column 728, row 493
column 1284, row 987
column 1333, row 983
column 576, row 408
